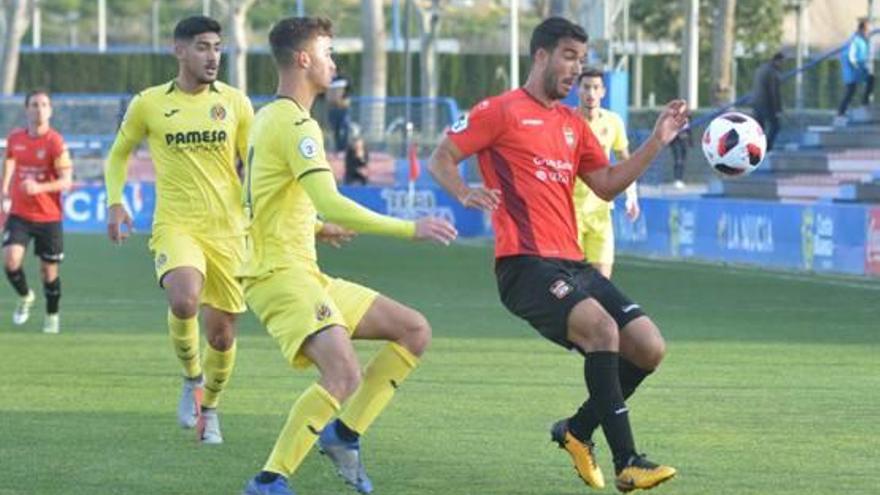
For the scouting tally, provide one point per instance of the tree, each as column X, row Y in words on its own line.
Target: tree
column 757, row 26
column 13, row 24
column 237, row 41
column 722, row 52
column 374, row 76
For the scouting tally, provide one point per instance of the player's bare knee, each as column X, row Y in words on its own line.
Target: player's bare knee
column 417, row 334
column 343, row 380
column 184, row 305
column 653, row 354
column 222, row 338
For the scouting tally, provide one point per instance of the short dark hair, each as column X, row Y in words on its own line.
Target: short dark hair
column 863, row 23
column 591, row 72
column 34, row 92
column 547, row 34
column 293, row 33
column 778, row 57
column 189, row 28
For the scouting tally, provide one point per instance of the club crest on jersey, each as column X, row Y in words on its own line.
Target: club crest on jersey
column 218, row 112
column 560, row 289
column 323, row 311
column 568, row 133
column 308, row 147
column 460, row 124
column 161, row 259
column 41, row 154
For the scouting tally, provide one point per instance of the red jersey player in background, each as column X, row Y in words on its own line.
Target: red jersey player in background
column 530, row 148
column 36, row 170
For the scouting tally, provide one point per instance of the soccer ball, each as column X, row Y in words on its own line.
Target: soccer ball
column 734, row 144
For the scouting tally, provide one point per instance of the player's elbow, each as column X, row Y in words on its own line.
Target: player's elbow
column 604, row 193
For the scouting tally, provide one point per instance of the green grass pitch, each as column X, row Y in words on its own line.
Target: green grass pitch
column 771, row 385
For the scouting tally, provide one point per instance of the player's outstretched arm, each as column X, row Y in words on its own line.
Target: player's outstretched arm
column 336, row 208
column 608, row 182
column 443, row 165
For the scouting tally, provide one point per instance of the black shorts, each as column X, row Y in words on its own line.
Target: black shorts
column 48, row 237
column 543, row 291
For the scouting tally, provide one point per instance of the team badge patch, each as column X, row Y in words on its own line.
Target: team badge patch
column 308, row 147
column 460, row 125
column 218, row 112
column 161, row 259
column 41, row 154
column 560, row 289
column 322, row 312
column 568, row 133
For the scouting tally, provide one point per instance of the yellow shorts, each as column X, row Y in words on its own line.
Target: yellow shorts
column 596, row 233
column 296, row 302
column 217, row 259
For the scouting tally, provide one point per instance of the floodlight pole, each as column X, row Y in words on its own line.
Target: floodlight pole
column 102, row 26
column 691, row 54
column 801, row 40
column 407, row 74
column 514, row 44
column 36, row 19
column 206, row 8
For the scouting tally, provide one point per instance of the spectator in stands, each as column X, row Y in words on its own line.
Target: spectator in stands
column 767, row 98
column 855, row 70
column 339, row 102
column 679, row 146
column 356, row 158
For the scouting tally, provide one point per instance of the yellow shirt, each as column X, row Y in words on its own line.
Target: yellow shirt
column 285, row 146
column 611, row 134
column 193, row 140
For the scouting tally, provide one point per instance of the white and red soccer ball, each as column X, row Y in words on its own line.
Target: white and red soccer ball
column 734, row 144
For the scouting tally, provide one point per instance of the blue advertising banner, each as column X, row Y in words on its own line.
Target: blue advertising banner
column 818, row 237
column 84, row 209
column 822, row 237
column 85, row 206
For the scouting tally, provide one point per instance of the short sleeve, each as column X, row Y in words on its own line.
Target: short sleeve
column 56, row 146
column 305, row 152
column 479, row 129
column 591, row 156
column 9, row 147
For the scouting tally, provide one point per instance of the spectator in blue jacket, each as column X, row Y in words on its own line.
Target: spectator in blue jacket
column 854, row 64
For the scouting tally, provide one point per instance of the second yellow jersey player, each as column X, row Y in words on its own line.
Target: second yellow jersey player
column 313, row 317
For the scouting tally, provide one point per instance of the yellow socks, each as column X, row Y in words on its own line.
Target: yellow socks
column 185, row 339
column 385, row 372
column 218, row 368
column 308, row 416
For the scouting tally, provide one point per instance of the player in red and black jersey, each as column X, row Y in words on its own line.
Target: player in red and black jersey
column 36, row 170
column 530, row 148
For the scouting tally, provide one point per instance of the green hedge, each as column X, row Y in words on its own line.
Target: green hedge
column 467, row 78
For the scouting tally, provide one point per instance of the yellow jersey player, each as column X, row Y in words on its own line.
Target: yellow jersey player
column 314, row 317
column 195, row 127
column 595, row 228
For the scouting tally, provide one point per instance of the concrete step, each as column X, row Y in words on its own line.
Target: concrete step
column 866, row 192
column 865, row 115
column 745, row 187
column 840, row 138
column 798, row 161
